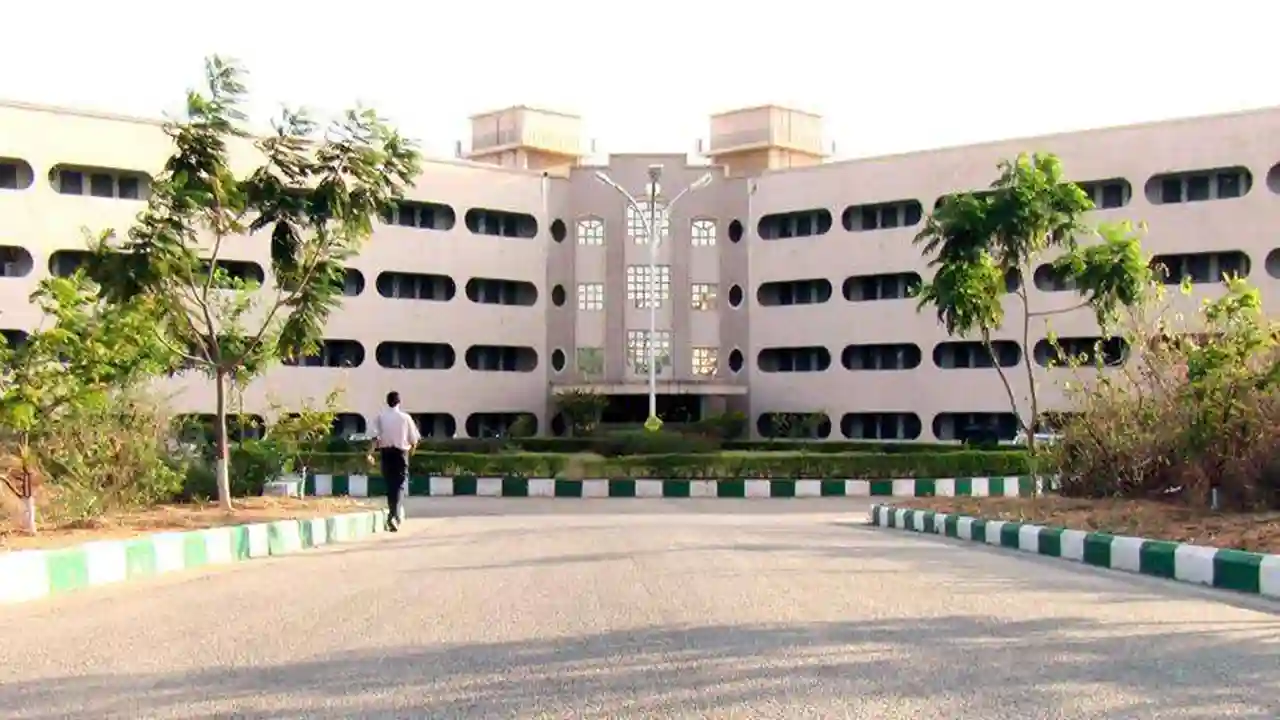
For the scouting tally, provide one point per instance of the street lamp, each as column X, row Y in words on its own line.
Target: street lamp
column 652, row 225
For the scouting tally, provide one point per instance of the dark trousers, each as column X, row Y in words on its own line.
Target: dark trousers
column 395, row 471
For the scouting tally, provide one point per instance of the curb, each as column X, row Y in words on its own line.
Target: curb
column 423, row 486
column 34, row 574
column 1237, row 570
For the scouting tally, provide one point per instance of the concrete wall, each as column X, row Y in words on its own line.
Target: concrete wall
column 574, row 239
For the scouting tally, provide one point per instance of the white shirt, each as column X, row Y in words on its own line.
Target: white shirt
column 393, row 428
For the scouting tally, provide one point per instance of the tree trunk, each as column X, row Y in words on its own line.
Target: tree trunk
column 28, row 494
column 222, row 464
column 1033, row 398
column 29, row 514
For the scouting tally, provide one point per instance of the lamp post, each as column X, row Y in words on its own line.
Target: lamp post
column 653, row 221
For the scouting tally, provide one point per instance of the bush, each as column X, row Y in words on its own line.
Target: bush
column 200, row 484
column 641, row 442
column 1198, row 411
column 662, row 442
column 731, row 425
column 535, row 445
column 871, row 466
column 841, row 446
column 581, row 410
column 70, row 417
column 100, row 459
column 253, row 462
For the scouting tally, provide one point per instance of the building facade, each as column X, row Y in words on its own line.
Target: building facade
column 781, row 287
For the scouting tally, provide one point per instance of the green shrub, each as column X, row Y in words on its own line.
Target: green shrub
column 726, row 426
column 1195, row 418
column 200, row 484
column 253, row 462
column 872, row 466
column 108, row 458
column 841, row 446
column 337, row 444
column 581, row 410
column 815, row 465
column 634, row 441
column 534, row 445
column 524, row 426
column 644, row 442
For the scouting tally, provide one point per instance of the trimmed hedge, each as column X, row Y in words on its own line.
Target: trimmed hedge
column 860, row 465
column 641, row 442
column 843, row 446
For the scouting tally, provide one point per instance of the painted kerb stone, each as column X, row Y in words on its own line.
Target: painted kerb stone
column 1237, row 570
column 34, row 574
column 464, row 485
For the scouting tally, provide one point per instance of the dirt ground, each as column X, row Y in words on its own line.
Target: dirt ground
column 1258, row 532
column 170, row 518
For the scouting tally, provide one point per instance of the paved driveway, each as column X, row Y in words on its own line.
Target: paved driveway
column 754, row 609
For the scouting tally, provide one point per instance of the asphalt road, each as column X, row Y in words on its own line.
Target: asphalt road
column 645, row 608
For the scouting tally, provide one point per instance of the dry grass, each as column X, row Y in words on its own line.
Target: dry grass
column 167, row 518
column 1258, row 532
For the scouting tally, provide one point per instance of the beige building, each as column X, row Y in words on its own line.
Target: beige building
column 780, row 286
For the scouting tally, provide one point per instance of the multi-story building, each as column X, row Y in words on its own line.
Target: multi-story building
column 781, row 287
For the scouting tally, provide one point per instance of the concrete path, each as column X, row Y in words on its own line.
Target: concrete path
column 650, row 609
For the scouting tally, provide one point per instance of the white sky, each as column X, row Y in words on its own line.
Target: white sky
column 888, row 76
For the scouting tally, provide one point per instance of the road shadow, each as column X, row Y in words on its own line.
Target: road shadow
column 960, row 666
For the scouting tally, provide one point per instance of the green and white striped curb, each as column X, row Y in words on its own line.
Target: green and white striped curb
column 34, row 574
column 433, row 486
column 1226, row 569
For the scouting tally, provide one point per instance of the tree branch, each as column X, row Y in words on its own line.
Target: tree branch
column 215, row 343
column 184, row 355
column 281, row 301
column 16, row 492
column 1004, row 380
column 1060, row 311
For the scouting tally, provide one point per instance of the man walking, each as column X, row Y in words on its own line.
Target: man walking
column 394, row 435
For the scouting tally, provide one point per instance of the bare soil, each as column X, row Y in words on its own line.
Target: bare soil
column 172, row 518
column 1257, row 532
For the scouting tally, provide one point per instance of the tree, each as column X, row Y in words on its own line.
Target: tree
column 976, row 240
column 80, row 360
column 316, row 195
column 581, row 409
column 296, row 434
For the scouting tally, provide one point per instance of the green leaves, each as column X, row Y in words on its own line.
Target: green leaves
column 1034, row 208
column 1109, row 275
column 1030, row 210
column 975, row 240
column 312, row 199
column 958, row 232
column 582, row 409
column 966, row 295
column 86, row 352
column 1241, row 333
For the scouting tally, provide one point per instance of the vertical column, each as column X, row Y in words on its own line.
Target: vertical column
column 617, row 245
column 679, row 256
